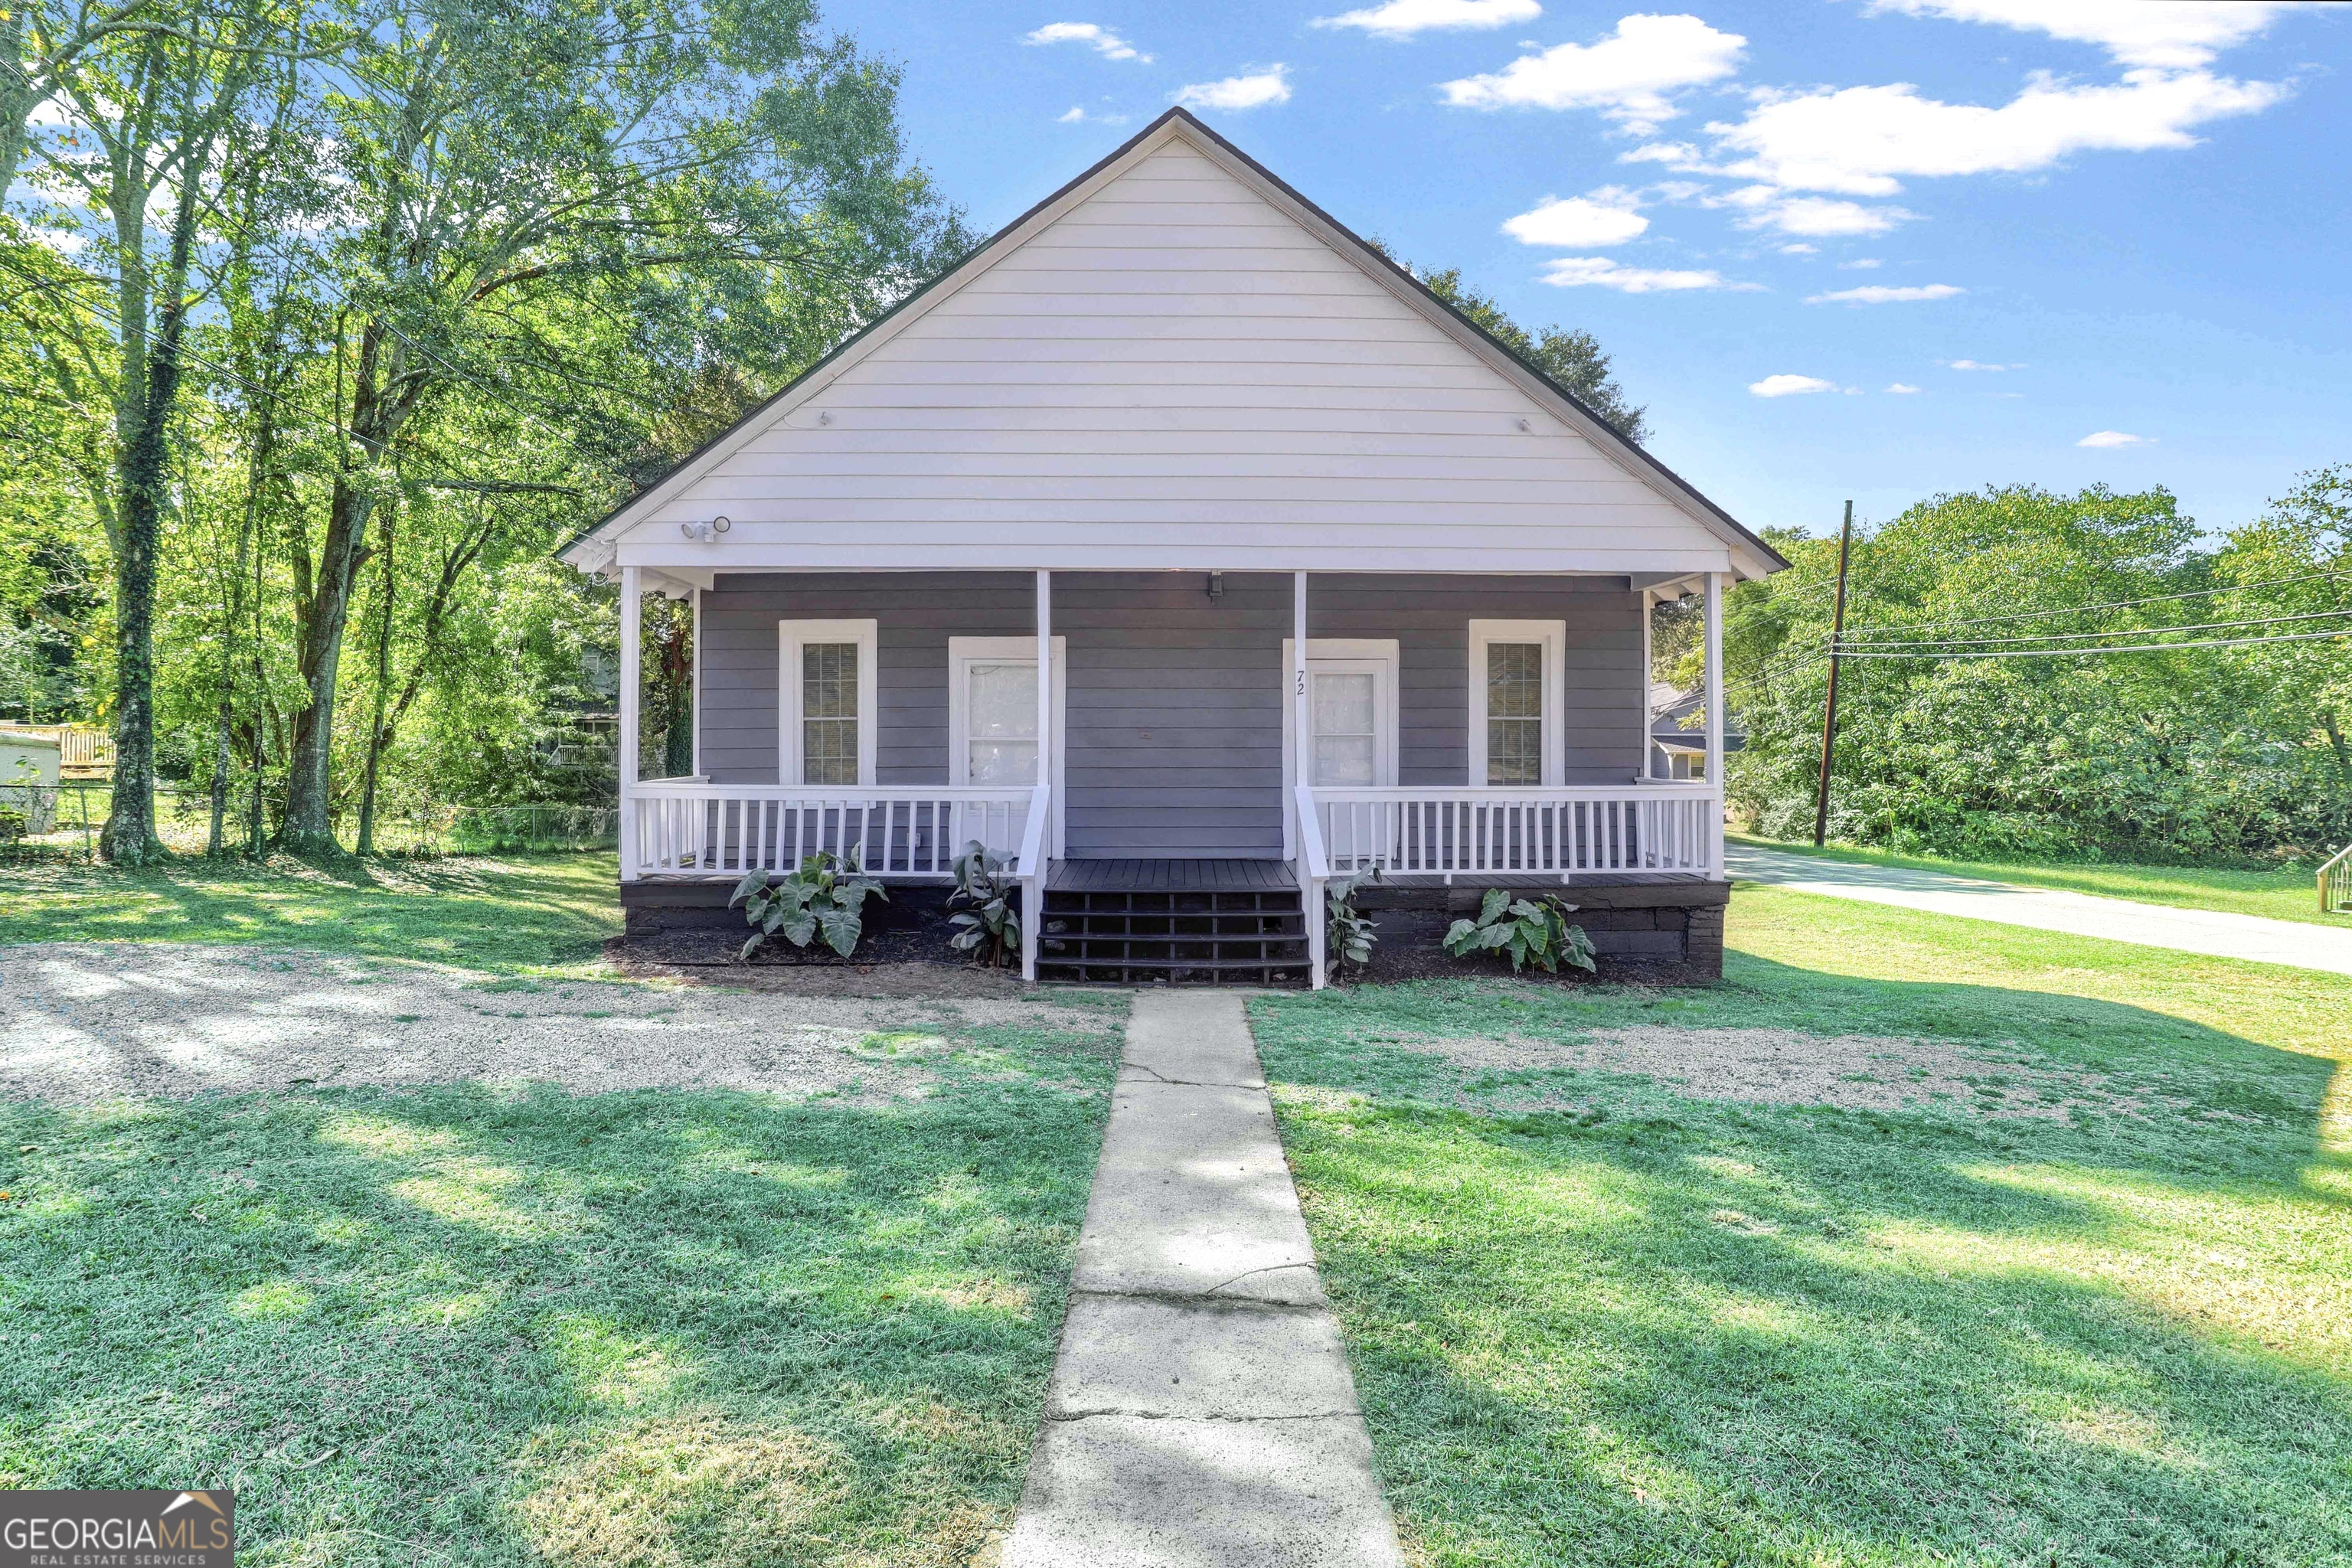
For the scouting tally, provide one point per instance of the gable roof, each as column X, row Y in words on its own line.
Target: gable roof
column 1750, row 556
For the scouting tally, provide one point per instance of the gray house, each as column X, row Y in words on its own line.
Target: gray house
column 1186, row 551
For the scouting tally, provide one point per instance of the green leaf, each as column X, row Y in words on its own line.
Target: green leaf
column 1492, row 905
column 841, row 930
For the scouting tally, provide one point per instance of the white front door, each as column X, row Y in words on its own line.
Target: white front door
column 1352, row 716
column 992, row 715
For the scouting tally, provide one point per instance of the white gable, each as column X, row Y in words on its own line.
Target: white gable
column 1172, row 370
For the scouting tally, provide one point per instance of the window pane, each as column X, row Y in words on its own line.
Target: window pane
column 1344, row 733
column 1515, row 713
column 829, row 713
column 1000, row 714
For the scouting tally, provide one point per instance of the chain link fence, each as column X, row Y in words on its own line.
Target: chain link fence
column 63, row 820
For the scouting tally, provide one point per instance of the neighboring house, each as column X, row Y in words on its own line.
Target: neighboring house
column 1678, row 733
column 30, row 766
column 1255, row 495
column 84, row 751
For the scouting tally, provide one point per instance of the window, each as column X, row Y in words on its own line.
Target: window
column 826, row 717
column 1517, row 671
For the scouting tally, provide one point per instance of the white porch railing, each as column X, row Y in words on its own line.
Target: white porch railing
column 1544, row 832
column 2336, row 883
column 690, row 828
column 1314, row 871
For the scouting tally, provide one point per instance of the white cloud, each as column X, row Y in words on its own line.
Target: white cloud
column 1863, row 141
column 1901, row 388
column 2114, row 438
column 1789, row 385
column 1977, row 364
column 1824, row 216
column 1403, row 18
column 1074, row 117
column 2177, row 35
column 1269, row 86
column 1079, row 116
column 1626, row 76
column 1885, row 294
column 1106, row 43
column 1606, row 216
column 1860, row 264
column 1800, row 248
column 1599, row 272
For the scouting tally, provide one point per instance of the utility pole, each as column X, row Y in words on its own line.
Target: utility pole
column 1829, row 709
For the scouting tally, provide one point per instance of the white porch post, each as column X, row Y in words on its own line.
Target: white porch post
column 630, row 680
column 1044, row 679
column 1301, row 729
column 1715, row 711
column 698, row 683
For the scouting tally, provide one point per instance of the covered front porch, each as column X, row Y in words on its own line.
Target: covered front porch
column 1458, row 730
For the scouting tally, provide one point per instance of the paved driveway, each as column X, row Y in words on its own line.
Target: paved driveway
column 2210, row 931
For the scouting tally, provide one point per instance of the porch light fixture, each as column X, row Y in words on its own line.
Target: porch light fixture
column 705, row 530
column 1216, row 586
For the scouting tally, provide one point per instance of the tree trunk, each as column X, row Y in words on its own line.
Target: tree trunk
column 128, row 838
column 377, row 739
column 217, row 843
column 308, row 827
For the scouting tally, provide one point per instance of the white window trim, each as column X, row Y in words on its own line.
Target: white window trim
column 1553, row 636
column 1322, row 653
column 962, row 653
column 792, row 635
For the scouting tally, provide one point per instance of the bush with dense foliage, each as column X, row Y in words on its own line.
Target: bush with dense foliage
column 2231, row 751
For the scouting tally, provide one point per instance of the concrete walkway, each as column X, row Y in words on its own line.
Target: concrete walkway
column 1200, row 1413
column 2209, row 932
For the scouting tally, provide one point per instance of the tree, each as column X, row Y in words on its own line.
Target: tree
column 553, row 211
column 152, row 112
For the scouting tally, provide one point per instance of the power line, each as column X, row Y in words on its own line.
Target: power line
column 2119, row 632
column 2136, row 648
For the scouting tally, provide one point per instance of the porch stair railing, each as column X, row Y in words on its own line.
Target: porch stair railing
column 2336, row 883
column 1553, row 831
column 1314, row 871
column 687, row 827
column 1029, row 863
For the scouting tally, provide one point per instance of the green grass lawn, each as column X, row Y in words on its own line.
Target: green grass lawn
column 653, row 1330
column 2279, row 895
column 1596, row 1317
column 513, row 914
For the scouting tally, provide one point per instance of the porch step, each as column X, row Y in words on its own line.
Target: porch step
column 1158, row 935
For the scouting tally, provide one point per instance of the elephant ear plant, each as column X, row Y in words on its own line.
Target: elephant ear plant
column 824, row 896
column 1535, row 932
column 982, row 900
column 1349, row 935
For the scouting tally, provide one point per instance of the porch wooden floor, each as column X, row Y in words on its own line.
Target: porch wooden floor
column 1170, row 877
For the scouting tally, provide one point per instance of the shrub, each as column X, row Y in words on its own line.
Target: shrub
column 13, row 823
column 824, row 896
column 1536, row 932
column 983, row 903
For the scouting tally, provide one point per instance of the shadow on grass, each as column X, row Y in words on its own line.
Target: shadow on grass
column 1692, row 1332
column 649, row 1328
column 492, row 913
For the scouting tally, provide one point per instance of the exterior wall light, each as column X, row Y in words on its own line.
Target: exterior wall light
column 705, row 530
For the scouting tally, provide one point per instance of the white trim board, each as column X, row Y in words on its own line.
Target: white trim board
column 962, row 653
column 1383, row 659
column 1553, row 636
column 791, row 636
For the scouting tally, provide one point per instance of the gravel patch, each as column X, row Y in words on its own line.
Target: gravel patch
column 1788, row 1067
column 85, row 1022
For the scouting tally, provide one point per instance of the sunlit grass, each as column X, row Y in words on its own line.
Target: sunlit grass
column 523, row 914
column 519, row 1328
column 2283, row 895
column 1654, row 1327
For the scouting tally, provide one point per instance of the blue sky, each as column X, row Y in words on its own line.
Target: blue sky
column 2135, row 208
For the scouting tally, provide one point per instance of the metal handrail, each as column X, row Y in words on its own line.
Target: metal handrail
column 2336, row 883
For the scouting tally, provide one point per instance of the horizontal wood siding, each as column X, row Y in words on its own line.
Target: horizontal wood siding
column 1606, row 689
column 917, row 611
column 1174, row 366
column 1175, row 726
